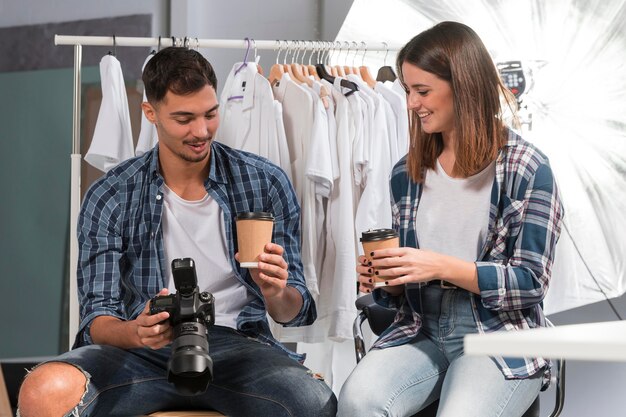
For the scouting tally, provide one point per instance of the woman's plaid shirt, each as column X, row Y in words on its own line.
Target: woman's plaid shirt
column 514, row 266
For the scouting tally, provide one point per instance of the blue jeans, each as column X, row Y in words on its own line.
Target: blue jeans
column 402, row 380
column 250, row 379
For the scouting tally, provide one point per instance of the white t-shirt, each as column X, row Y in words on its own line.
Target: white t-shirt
column 195, row 229
column 453, row 213
column 112, row 140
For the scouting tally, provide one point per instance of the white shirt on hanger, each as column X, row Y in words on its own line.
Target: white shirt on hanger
column 396, row 97
column 301, row 128
column 148, row 137
column 283, row 149
column 247, row 119
column 112, row 140
column 336, row 310
column 374, row 207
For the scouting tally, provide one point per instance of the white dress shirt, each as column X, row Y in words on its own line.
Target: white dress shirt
column 148, row 137
column 247, row 115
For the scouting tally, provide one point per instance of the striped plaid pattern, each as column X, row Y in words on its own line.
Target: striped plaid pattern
column 121, row 261
column 514, row 266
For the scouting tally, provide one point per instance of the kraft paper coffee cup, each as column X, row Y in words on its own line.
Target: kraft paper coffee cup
column 376, row 239
column 254, row 231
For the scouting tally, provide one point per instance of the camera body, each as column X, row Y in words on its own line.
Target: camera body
column 190, row 368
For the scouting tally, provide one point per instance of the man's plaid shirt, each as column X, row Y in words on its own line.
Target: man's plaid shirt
column 122, row 261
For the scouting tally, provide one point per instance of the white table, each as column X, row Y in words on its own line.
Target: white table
column 603, row 341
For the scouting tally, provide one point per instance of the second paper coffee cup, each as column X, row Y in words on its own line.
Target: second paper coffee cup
column 254, row 231
column 376, row 239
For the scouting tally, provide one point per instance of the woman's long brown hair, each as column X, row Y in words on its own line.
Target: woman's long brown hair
column 453, row 52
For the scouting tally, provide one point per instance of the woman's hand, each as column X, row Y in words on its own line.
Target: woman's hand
column 365, row 275
column 366, row 282
column 406, row 265
column 399, row 266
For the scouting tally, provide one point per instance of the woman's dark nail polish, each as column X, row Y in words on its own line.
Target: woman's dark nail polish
column 376, row 272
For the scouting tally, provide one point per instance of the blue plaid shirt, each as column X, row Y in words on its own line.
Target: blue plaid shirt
column 514, row 266
column 122, row 261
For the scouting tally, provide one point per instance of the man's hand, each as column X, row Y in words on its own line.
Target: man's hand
column 283, row 303
column 146, row 330
column 154, row 331
column 271, row 275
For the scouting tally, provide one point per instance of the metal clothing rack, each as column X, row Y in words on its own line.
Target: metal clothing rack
column 79, row 41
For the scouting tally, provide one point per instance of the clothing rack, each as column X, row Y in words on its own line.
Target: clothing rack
column 157, row 42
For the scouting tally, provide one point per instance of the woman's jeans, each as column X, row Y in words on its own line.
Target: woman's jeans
column 401, row 380
column 250, row 379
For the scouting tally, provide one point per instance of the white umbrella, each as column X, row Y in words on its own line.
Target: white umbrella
column 573, row 52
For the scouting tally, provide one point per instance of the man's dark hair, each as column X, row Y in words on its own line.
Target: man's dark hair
column 179, row 70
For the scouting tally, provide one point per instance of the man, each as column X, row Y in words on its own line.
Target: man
column 180, row 200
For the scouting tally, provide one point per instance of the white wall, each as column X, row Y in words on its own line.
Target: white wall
column 238, row 19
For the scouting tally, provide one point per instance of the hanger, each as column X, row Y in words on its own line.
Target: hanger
column 321, row 71
column 297, row 70
column 347, row 69
column 114, row 52
column 154, row 51
column 385, row 73
column 353, row 69
column 338, row 68
column 242, row 66
column 259, row 69
column 245, row 58
column 276, row 70
column 310, row 66
column 364, row 71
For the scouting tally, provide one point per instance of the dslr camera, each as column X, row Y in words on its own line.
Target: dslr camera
column 190, row 368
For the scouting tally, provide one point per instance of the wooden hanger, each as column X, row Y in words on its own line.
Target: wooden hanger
column 277, row 70
column 364, row 72
column 276, row 74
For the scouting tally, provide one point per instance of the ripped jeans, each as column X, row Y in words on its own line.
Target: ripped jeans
column 250, row 378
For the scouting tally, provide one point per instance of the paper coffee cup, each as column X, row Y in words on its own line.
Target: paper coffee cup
column 376, row 239
column 254, row 231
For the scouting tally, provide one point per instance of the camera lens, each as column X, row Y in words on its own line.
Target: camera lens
column 190, row 367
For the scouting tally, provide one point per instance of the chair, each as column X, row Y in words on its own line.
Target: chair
column 379, row 318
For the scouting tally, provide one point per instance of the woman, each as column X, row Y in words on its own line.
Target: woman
column 479, row 215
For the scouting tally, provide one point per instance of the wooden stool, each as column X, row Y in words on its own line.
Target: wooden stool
column 187, row 414
column 5, row 405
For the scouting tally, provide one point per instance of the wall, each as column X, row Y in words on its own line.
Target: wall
column 266, row 20
column 35, row 144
